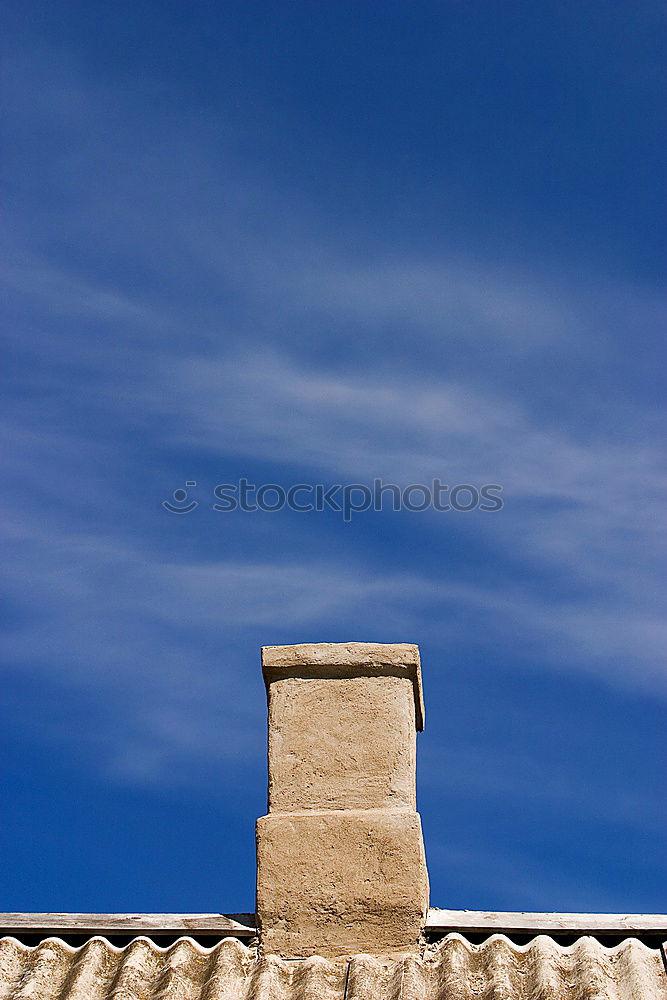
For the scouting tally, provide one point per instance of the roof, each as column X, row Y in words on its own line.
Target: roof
column 453, row 969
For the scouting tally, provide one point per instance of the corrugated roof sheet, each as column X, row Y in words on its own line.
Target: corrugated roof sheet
column 453, row 969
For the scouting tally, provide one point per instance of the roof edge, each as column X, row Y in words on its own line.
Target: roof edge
column 437, row 921
column 520, row 922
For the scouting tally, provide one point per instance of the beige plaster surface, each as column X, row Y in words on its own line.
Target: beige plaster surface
column 341, row 743
column 340, row 855
column 339, row 883
column 398, row 658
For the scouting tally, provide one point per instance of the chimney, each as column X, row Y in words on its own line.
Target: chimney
column 340, row 854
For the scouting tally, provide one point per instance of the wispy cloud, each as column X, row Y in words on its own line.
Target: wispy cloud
column 405, row 427
column 243, row 325
column 586, row 503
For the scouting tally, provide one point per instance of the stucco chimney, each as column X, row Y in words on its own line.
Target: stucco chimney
column 340, row 855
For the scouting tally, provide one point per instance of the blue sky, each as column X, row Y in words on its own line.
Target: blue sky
column 308, row 242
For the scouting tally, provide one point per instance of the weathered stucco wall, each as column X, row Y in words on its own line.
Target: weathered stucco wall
column 340, row 856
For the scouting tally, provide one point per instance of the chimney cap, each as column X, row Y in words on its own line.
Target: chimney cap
column 370, row 657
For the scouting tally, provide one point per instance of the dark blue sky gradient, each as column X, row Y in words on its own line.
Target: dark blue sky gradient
column 307, row 242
